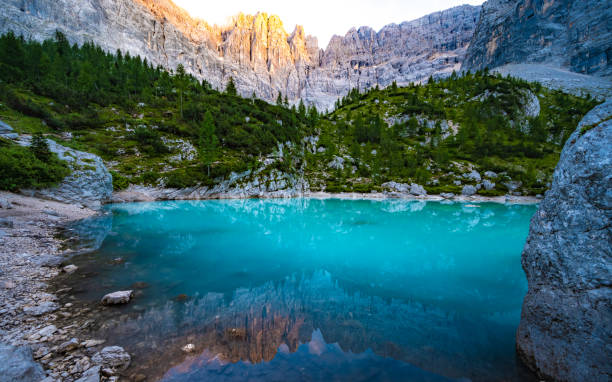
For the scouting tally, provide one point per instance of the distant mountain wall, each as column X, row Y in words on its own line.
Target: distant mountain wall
column 255, row 49
column 569, row 34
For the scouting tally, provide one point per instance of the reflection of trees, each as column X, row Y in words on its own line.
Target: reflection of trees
column 254, row 323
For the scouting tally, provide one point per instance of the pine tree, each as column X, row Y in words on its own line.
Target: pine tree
column 231, row 87
column 40, row 147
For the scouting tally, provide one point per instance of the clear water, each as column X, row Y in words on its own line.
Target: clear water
column 308, row 289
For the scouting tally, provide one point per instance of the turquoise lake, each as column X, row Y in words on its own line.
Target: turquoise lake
column 308, row 289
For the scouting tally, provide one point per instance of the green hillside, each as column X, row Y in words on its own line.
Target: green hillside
column 168, row 129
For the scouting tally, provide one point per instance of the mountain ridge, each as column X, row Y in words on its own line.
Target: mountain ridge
column 255, row 50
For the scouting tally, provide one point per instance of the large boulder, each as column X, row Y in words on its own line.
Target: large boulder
column 17, row 365
column 565, row 331
column 468, row 190
column 90, row 183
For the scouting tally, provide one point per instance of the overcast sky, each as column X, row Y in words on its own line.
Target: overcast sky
column 322, row 18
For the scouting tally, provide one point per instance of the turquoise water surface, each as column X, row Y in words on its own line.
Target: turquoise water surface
column 307, row 289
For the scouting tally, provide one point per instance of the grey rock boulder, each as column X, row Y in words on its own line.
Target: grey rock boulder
column 17, row 365
column 488, row 185
column 565, row 331
column 473, row 175
column 468, row 190
column 119, row 297
column 89, row 184
column 114, row 357
column 417, row 190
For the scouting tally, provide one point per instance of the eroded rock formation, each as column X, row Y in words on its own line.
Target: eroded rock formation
column 255, row 50
column 566, row 325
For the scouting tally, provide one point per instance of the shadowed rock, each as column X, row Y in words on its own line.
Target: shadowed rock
column 566, row 324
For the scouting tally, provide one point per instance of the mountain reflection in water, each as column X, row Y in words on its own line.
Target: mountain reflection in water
column 315, row 360
column 398, row 289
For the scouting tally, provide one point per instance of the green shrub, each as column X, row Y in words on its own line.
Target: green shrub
column 21, row 169
column 120, row 182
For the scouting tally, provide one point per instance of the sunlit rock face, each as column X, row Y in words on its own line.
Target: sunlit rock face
column 566, row 323
column 574, row 35
column 255, row 49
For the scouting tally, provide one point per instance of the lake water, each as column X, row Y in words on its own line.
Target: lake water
column 307, row 289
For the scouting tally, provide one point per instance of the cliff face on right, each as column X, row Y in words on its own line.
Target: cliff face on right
column 574, row 35
column 566, row 325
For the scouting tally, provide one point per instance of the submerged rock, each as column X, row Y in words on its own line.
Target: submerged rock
column 70, row 268
column 114, row 357
column 565, row 331
column 17, row 365
column 119, row 297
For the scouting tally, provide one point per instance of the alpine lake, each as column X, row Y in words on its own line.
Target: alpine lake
column 306, row 289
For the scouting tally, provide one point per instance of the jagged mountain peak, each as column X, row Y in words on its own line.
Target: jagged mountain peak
column 255, row 50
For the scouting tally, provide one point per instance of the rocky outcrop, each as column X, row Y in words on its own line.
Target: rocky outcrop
column 89, row 184
column 255, row 49
column 574, row 35
column 249, row 184
column 566, row 324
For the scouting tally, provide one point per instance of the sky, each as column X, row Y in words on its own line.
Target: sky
column 322, row 18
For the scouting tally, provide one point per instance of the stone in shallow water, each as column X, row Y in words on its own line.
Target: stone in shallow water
column 119, row 297
column 70, row 268
column 17, row 365
column 114, row 357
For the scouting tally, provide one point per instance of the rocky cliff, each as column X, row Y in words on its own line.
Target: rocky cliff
column 255, row 50
column 566, row 325
column 574, row 35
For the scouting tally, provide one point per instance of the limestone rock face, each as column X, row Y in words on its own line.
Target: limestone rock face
column 433, row 45
column 566, row 324
column 255, row 49
column 575, row 35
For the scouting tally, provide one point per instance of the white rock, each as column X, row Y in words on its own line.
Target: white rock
column 189, row 348
column 70, row 268
column 119, row 297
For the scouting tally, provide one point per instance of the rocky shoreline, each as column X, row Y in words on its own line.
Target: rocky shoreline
column 152, row 194
column 32, row 345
